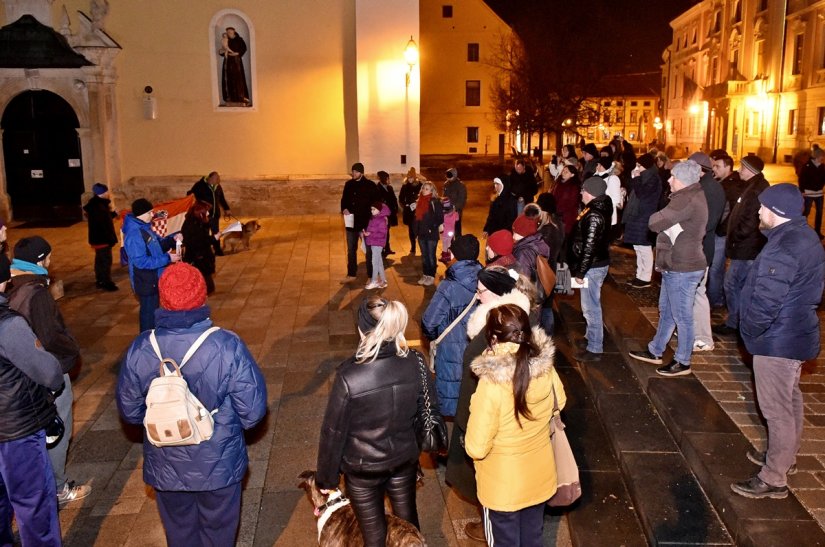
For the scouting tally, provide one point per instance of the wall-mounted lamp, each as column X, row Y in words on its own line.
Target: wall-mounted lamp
column 150, row 105
column 411, row 57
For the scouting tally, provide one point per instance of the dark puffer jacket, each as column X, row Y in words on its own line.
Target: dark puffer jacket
column 101, row 226
column 590, row 245
column 526, row 251
column 427, row 227
column 745, row 240
column 451, row 297
column 782, row 292
column 644, row 193
column 368, row 424
column 222, row 374
column 28, row 374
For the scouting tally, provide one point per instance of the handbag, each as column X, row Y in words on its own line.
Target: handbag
column 430, row 429
column 546, row 275
column 569, row 488
column 563, row 279
column 434, row 343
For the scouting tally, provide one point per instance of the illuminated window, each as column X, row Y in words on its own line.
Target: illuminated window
column 791, row 122
column 634, row 116
column 820, row 124
column 798, row 44
column 472, row 134
column 446, row 12
column 759, row 58
column 472, row 93
column 472, row 53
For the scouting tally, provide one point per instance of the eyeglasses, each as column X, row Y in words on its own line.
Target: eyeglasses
column 481, row 291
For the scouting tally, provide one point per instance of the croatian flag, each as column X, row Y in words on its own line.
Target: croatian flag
column 168, row 216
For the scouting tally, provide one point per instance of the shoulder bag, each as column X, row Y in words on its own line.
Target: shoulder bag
column 434, row 343
column 546, row 275
column 430, row 429
column 567, row 472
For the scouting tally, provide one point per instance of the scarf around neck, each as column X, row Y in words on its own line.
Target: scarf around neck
column 28, row 267
column 422, row 206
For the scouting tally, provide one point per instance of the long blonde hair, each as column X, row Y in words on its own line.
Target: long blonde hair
column 392, row 320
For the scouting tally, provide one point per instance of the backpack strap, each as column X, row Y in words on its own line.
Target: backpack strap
column 154, row 341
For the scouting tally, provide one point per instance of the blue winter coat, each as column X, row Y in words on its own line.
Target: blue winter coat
column 146, row 252
column 643, row 193
column 453, row 294
column 782, row 292
column 222, row 374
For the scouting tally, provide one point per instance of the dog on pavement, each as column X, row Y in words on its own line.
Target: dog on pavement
column 235, row 241
column 338, row 527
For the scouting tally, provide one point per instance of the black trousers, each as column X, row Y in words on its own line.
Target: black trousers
column 103, row 265
column 352, row 254
column 366, row 493
column 208, row 519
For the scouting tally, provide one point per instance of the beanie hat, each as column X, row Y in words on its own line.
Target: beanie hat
column 524, row 226
column 501, row 242
column 32, row 249
column 465, row 247
column 5, row 268
column 140, row 206
column 383, row 175
column 688, row 172
column 358, row 166
column 702, row 159
column 378, row 204
column 590, row 148
column 99, row 188
column 607, row 163
column 496, row 281
column 181, row 287
column 646, row 160
column 547, row 202
column 365, row 321
column 753, row 163
column 784, row 199
column 595, row 186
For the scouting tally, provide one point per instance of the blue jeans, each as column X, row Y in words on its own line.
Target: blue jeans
column 734, row 281
column 57, row 455
column 716, row 274
column 818, row 218
column 428, row 247
column 591, row 299
column 676, row 312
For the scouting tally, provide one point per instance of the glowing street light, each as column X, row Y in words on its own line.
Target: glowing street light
column 411, row 57
column 694, row 108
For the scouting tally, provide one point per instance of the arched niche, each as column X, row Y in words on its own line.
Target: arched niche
column 230, row 92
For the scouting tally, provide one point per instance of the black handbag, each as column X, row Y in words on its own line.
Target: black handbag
column 430, row 429
column 54, row 432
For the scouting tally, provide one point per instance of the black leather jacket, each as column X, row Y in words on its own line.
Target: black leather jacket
column 368, row 425
column 590, row 244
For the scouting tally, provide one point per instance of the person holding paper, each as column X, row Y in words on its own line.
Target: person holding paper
column 356, row 200
column 681, row 261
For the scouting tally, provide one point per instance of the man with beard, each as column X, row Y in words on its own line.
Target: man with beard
column 359, row 194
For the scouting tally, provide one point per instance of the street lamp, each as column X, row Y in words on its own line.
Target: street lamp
column 411, row 56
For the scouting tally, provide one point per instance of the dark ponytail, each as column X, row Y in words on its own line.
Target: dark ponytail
column 510, row 323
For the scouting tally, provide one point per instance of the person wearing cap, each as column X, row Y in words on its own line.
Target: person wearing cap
column 499, row 249
column 28, row 294
column 197, row 487
column 445, row 312
column 589, row 257
column 456, row 191
column 148, row 255
column 780, row 328
column 528, row 246
column 387, row 195
column 681, row 260
column 357, row 198
column 29, row 376
column 209, row 189
column 744, row 240
column 503, row 210
column 733, row 185
column 102, row 237
column 811, row 182
column 643, row 193
column 407, row 198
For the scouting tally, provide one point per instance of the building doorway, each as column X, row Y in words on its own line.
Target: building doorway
column 41, row 149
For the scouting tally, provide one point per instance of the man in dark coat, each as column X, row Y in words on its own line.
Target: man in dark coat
column 780, row 328
column 523, row 184
column 811, row 182
column 102, row 236
column 502, row 210
column 643, row 193
column 387, row 194
column 356, row 200
column 209, row 189
column 733, row 186
column 744, row 240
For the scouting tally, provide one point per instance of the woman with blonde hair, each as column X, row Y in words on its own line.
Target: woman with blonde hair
column 429, row 215
column 368, row 432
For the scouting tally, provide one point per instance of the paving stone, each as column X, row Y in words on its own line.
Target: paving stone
column 633, row 425
column 605, row 514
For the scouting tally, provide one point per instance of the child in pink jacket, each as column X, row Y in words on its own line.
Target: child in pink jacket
column 375, row 236
column 448, row 232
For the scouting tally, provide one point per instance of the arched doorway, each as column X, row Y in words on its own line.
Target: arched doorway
column 41, row 148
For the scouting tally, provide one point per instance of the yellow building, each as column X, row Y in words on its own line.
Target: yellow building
column 628, row 105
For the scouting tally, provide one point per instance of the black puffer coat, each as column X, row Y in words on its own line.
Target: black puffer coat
column 590, row 244
column 644, row 193
column 745, row 239
column 368, row 425
column 101, row 225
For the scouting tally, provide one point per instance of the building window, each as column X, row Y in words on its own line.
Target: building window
column 792, row 122
column 759, row 60
column 737, row 11
column 820, row 124
column 734, row 62
column 605, row 103
column 634, row 116
column 447, row 12
column 472, row 53
column 798, row 44
column 763, row 5
column 714, row 70
column 619, row 103
column 606, row 118
column 646, row 103
column 619, row 116
column 472, row 134
column 472, row 93
column 717, row 21
column 634, row 103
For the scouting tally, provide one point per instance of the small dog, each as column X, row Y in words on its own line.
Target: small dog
column 338, row 527
column 235, row 241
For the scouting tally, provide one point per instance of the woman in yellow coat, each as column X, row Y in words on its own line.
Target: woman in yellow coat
column 508, row 434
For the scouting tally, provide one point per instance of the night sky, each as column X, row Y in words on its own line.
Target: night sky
column 635, row 32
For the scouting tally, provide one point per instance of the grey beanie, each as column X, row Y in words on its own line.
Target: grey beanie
column 595, row 186
column 687, row 172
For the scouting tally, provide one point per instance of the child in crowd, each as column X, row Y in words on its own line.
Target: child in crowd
column 448, row 231
column 376, row 236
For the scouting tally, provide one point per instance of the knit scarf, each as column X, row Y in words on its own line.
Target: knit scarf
column 422, row 206
column 28, row 267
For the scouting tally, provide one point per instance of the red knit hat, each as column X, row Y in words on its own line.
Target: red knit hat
column 182, row 287
column 524, row 226
column 501, row 242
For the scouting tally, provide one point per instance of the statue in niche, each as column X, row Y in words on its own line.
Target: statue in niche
column 233, row 77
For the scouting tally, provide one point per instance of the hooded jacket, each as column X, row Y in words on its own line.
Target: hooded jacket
column 222, row 374
column 147, row 255
column 689, row 209
column 782, row 292
column 590, row 246
column 451, row 297
column 515, row 466
column 378, row 228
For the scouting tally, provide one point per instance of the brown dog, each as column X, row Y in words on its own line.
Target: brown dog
column 338, row 527
column 235, row 241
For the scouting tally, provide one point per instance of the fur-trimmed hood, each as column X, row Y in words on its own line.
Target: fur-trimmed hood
column 478, row 318
column 499, row 369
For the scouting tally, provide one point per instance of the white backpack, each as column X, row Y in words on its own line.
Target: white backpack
column 174, row 416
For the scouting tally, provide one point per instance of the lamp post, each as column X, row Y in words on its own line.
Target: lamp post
column 411, row 57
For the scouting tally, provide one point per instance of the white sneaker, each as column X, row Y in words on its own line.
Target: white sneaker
column 382, row 284
column 701, row 346
column 423, row 280
column 73, row 492
column 372, row 285
column 429, row 281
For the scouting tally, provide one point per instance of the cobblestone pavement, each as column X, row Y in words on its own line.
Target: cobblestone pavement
column 726, row 373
